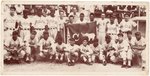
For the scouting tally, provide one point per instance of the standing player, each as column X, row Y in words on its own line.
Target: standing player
column 25, row 25
column 102, row 28
column 126, row 25
column 86, row 51
column 46, row 44
column 71, row 52
column 124, row 51
column 10, row 22
column 112, row 29
column 81, row 19
column 97, row 52
column 139, row 49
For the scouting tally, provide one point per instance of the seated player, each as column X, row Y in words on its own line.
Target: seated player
column 31, row 43
column 71, row 52
column 97, row 52
column 60, row 46
column 14, row 49
column 109, row 47
column 139, row 49
column 86, row 51
column 46, row 44
column 123, row 51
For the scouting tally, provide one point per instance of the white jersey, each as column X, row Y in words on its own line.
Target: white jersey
column 86, row 49
column 61, row 23
column 40, row 22
column 141, row 42
column 97, row 49
column 79, row 21
column 132, row 41
column 102, row 24
column 10, row 21
column 72, row 48
column 127, row 26
column 29, row 41
column 53, row 23
column 123, row 46
column 112, row 28
column 26, row 23
column 112, row 44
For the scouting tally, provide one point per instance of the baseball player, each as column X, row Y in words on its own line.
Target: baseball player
column 139, row 49
column 97, row 52
column 126, row 25
column 39, row 25
column 86, row 51
column 31, row 43
column 112, row 29
column 92, row 18
column 71, row 52
column 14, row 49
column 25, row 25
column 60, row 53
column 46, row 46
column 124, row 51
column 10, row 22
column 102, row 22
column 53, row 25
column 109, row 49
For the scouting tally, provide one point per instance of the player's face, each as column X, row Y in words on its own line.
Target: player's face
column 108, row 40
column 25, row 15
column 103, row 16
column 111, row 19
column 74, row 10
column 81, row 17
column 129, row 36
column 71, row 19
column 32, row 36
column 14, row 37
column 72, row 43
column 91, row 17
column 85, row 42
column 138, row 37
column 61, row 14
column 95, row 44
column 120, row 38
column 46, row 36
column 126, row 17
column 12, row 12
column 44, row 14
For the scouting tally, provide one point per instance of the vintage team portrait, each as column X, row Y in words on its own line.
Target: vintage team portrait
column 75, row 38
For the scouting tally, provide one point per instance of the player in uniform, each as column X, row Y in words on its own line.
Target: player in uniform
column 102, row 22
column 126, row 25
column 31, row 43
column 86, row 51
column 123, row 51
column 25, row 25
column 112, row 29
column 139, row 49
column 97, row 52
column 46, row 46
column 39, row 25
column 10, row 23
column 14, row 49
column 81, row 19
column 71, row 52
column 109, row 48
column 60, row 53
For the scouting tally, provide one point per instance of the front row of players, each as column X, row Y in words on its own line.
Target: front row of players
column 109, row 52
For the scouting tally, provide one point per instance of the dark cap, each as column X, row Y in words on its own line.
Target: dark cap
column 120, row 34
column 107, row 37
column 34, row 32
column 12, row 8
column 45, row 33
column 85, row 38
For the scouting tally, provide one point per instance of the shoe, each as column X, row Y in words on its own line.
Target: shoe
column 123, row 66
column 129, row 66
column 89, row 63
column 104, row 63
column 143, row 68
column 69, row 63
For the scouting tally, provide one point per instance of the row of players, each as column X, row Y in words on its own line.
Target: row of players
column 56, row 24
column 110, row 51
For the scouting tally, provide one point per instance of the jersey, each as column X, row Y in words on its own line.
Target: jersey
column 53, row 23
column 112, row 28
column 123, row 46
column 40, row 22
column 96, row 50
column 85, row 49
column 141, row 42
column 127, row 26
column 71, row 48
column 102, row 24
column 26, row 23
column 111, row 44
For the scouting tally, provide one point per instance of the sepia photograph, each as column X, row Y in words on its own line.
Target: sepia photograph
column 74, row 37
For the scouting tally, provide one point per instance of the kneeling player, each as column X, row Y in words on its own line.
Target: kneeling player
column 97, row 52
column 86, row 51
column 60, row 46
column 46, row 44
column 71, row 52
column 13, row 49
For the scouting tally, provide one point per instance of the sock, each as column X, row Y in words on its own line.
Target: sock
column 129, row 62
column 124, row 62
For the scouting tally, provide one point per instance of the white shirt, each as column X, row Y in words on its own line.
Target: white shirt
column 40, row 22
column 102, row 24
column 79, row 21
column 72, row 48
column 109, row 45
column 53, row 22
column 14, row 44
column 25, row 22
column 123, row 46
column 97, row 49
column 127, row 26
column 85, row 49
column 141, row 42
column 112, row 28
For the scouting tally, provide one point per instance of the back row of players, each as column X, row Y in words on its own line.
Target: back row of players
column 117, row 44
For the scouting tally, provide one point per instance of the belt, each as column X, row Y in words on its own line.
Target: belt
column 11, row 28
column 111, row 34
column 53, row 28
column 39, row 29
column 26, row 29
